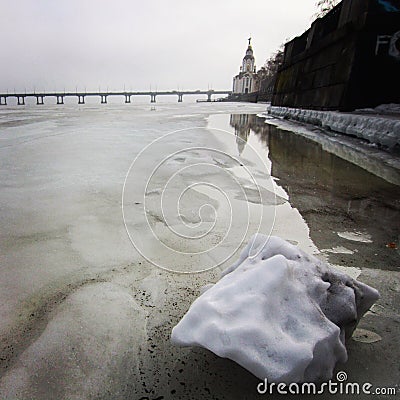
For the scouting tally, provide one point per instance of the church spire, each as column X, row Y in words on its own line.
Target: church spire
column 248, row 64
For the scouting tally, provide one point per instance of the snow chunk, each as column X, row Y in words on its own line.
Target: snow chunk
column 388, row 109
column 278, row 312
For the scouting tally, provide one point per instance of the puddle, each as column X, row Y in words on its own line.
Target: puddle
column 347, row 212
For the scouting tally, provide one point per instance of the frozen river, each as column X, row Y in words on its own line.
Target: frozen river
column 112, row 217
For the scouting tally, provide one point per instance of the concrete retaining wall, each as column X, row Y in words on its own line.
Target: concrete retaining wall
column 347, row 60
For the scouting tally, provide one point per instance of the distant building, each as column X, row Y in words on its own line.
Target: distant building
column 246, row 81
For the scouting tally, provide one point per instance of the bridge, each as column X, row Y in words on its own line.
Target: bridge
column 59, row 96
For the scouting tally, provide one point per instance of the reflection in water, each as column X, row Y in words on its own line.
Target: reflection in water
column 243, row 124
column 337, row 199
column 242, row 129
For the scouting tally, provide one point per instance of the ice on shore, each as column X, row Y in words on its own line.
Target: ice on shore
column 377, row 129
column 278, row 312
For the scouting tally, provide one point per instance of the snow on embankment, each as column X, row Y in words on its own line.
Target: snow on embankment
column 376, row 129
column 278, row 312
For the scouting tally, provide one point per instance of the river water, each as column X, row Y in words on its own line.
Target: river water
column 353, row 215
column 101, row 205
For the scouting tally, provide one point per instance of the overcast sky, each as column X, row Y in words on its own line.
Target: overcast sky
column 190, row 44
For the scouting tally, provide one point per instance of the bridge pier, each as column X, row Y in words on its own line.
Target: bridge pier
column 81, row 99
column 180, row 96
column 21, row 100
column 153, row 98
column 39, row 100
column 127, row 98
column 103, row 99
column 60, row 99
column 208, row 96
column 3, row 101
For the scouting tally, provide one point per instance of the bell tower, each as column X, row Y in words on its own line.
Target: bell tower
column 248, row 64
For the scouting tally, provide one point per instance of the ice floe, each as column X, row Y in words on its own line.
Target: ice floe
column 356, row 236
column 339, row 250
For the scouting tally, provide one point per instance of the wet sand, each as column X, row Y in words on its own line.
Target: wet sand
column 84, row 314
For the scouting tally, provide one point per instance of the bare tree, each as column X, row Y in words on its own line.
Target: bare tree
column 267, row 75
column 324, row 6
column 271, row 66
